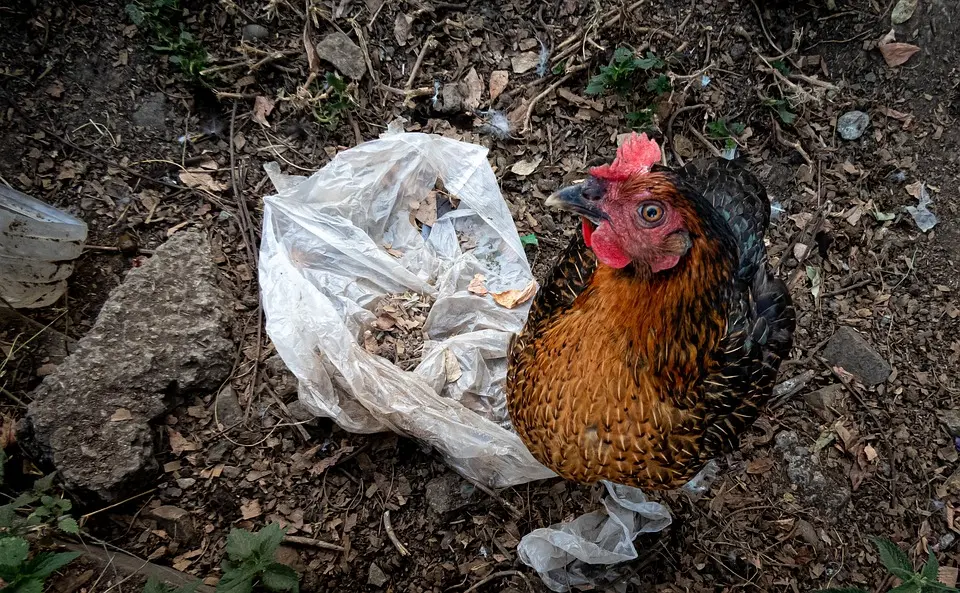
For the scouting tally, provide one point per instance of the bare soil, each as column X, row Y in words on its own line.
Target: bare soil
column 93, row 121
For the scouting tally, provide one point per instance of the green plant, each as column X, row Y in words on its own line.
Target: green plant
column 898, row 564
column 660, row 85
column 640, row 120
column 782, row 108
column 721, row 129
column 781, row 67
column 250, row 560
column 52, row 511
column 618, row 75
column 333, row 102
column 21, row 573
column 28, row 576
column 161, row 19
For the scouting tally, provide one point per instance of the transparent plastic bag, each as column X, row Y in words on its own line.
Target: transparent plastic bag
column 38, row 245
column 566, row 555
column 324, row 265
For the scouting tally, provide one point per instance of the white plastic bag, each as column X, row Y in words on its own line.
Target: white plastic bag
column 324, row 264
column 563, row 554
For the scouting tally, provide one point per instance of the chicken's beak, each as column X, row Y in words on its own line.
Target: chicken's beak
column 572, row 199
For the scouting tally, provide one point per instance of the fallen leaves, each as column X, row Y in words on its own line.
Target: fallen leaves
column 513, row 298
column 262, row 107
column 498, row 83
column 201, row 181
column 477, row 285
column 250, row 509
column 121, row 415
column 895, row 53
column 524, row 168
column 179, row 443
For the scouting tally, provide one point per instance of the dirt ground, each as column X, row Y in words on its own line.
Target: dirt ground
column 93, row 120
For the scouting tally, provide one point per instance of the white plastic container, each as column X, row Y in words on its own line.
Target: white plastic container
column 38, row 245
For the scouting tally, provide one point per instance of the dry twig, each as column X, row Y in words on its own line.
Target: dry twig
column 388, row 525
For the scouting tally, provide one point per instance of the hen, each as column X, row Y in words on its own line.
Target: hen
column 658, row 338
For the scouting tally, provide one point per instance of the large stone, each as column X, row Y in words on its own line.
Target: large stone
column 343, row 53
column 803, row 470
column 162, row 334
column 848, row 349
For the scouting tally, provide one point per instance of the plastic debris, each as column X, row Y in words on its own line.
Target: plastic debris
column 38, row 245
column 925, row 219
column 566, row 555
column 340, row 242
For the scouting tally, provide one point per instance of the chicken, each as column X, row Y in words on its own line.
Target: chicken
column 657, row 340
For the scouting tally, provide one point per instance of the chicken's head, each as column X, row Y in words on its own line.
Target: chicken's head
column 629, row 215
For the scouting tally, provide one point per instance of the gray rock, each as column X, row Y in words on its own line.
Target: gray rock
column 803, row 470
column 178, row 523
column 152, row 113
column 254, row 31
column 824, row 401
column 852, row 124
column 951, row 421
column 376, row 576
column 227, row 408
column 447, row 493
column 848, row 349
column 451, row 101
column 343, row 53
column 163, row 332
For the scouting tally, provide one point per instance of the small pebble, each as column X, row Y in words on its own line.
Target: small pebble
column 254, row 31
column 852, row 124
column 185, row 482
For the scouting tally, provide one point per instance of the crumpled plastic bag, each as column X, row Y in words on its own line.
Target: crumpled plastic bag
column 564, row 554
column 567, row 555
column 324, row 265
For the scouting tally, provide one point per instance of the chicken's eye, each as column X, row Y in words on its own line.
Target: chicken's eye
column 651, row 212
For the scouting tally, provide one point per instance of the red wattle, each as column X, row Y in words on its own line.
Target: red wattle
column 587, row 231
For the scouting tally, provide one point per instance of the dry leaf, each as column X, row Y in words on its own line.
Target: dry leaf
column 525, row 62
column 513, row 297
column 894, row 53
column 425, row 211
column 947, row 575
column 451, row 366
column 250, row 509
column 55, row 90
column 401, row 28
column 8, row 432
column 313, row 60
column 870, row 452
column 477, row 285
column 524, row 168
column 498, row 82
column 328, row 462
column 202, row 181
column 915, row 189
column 262, row 107
column 760, row 466
column 173, row 230
column 472, row 90
column 120, row 415
column 179, row 444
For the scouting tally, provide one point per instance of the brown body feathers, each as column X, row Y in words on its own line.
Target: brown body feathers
column 640, row 378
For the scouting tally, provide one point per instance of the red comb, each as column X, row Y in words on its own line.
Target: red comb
column 636, row 155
